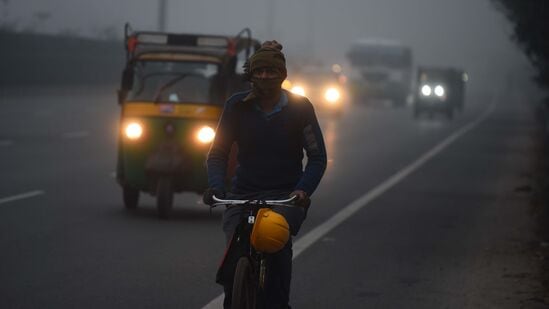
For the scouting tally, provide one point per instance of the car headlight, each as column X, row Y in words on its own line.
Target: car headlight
column 332, row 95
column 439, row 91
column 133, row 130
column 205, row 135
column 287, row 85
column 298, row 90
column 426, row 90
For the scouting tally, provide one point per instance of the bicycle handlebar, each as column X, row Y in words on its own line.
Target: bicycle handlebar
column 219, row 201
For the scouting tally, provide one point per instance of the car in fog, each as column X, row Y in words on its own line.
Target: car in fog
column 439, row 90
column 380, row 69
column 324, row 87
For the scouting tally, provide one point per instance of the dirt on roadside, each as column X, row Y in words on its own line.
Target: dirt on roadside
column 539, row 249
column 512, row 269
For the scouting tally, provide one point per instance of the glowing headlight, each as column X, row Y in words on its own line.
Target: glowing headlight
column 298, row 90
column 439, row 91
column 133, row 130
column 205, row 135
column 286, row 84
column 426, row 90
column 332, row 95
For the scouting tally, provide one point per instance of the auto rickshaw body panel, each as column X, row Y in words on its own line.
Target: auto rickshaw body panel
column 166, row 124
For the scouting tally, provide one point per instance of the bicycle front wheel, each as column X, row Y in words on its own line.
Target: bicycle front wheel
column 244, row 285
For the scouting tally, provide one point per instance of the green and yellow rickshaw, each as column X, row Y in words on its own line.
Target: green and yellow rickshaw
column 171, row 97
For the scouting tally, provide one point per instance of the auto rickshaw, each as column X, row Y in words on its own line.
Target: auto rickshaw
column 171, row 97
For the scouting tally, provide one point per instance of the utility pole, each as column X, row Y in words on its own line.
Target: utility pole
column 311, row 29
column 270, row 20
column 162, row 15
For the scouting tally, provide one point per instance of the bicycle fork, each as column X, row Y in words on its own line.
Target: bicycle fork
column 262, row 261
column 262, row 271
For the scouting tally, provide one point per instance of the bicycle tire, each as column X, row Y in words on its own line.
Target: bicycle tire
column 244, row 294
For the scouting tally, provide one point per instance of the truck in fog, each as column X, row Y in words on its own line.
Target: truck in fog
column 380, row 69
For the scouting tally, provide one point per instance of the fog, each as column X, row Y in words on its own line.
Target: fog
column 470, row 34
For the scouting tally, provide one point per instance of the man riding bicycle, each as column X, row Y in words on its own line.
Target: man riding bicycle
column 271, row 127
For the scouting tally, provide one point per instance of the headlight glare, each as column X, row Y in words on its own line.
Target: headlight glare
column 133, row 130
column 298, row 90
column 205, row 135
column 332, row 95
column 426, row 90
column 286, row 84
column 439, row 91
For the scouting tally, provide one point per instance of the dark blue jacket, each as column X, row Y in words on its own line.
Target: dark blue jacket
column 270, row 148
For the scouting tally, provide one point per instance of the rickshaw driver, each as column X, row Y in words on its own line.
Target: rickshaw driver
column 271, row 127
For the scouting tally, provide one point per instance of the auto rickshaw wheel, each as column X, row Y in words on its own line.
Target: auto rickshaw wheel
column 130, row 197
column 164, row 197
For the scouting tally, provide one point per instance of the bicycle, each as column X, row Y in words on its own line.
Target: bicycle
column 251, row 267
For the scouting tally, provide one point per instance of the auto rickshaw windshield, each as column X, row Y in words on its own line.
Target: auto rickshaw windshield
column 174, row 81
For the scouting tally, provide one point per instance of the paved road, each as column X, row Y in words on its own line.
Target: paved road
column 66, row 241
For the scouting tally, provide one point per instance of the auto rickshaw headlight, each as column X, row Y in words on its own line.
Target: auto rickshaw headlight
column 426, row 90
column 298, row 90
column 332, row 95
column 133, row 130
column 439, row 91
column 205, row 135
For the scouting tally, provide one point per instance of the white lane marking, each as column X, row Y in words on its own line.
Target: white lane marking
column 5, row 142
column 308, row 239
column 20, row 196
column 320, row 231
column 76, row 134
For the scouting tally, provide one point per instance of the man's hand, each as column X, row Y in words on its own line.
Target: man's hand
column 302, row 200
column 207, row 198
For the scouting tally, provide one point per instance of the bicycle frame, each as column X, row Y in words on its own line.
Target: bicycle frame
column 248, row 278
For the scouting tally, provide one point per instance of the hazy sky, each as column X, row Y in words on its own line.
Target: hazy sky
column 466, row 33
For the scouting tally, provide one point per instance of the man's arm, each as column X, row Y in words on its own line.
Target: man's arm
column 316, row 153
column 220, row 149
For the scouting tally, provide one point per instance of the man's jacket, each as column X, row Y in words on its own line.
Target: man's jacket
column 270, row 147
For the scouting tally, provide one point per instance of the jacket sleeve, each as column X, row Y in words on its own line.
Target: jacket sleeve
column 218, row 155
column 313, row 142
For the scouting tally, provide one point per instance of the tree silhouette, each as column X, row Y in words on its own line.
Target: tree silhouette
column 530, row 19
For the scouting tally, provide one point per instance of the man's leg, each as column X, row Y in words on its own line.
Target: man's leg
column 231, row 219
column 228, row 297
column 279, row 276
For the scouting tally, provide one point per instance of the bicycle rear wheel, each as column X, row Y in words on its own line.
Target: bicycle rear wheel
column 244, row 285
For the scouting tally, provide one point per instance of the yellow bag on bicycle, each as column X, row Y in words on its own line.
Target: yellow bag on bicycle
column 270, row 232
